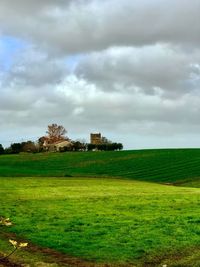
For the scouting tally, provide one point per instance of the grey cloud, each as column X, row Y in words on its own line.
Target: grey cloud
column 151, row 69
column 88, row 109
column 22, row 7
column 115, row 108
column 142, row 83
column 95, row 25
column 34, row 68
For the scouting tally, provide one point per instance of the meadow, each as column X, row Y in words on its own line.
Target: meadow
column 130, row 214
column 178, row 166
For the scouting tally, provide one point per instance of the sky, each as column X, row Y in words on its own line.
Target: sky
column 128, row 69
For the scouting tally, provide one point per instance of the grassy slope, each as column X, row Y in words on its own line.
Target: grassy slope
column 104, row 220
column 173, row 166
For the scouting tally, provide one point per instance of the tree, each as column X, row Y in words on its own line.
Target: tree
column 29, row 146
column 56, row 133
column 105, row 140
column 105, row 147
column 16, row 148
column 1, row 149
column 40, row 142
column 91, row 147
column 78, row 146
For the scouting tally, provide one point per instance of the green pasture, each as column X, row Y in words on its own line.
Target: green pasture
column 124, row 208
column 179, row 166
column 106, row 220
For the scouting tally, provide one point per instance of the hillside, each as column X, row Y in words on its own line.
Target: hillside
column 179, row 166
column 105, row 222
column 60, row 208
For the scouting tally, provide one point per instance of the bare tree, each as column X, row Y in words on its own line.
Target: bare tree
column 56, row 133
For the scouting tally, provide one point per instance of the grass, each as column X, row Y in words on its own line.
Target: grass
column 26, row 256
column 106, row 220
column 125, row 215
column 180, row 166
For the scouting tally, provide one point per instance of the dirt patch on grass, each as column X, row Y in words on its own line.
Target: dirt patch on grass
column 8, row 263
column 66, row 260
column 189, row 257
column 54, row 258
column 60, row 258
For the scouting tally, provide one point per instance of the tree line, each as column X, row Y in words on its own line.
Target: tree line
column 56, row 140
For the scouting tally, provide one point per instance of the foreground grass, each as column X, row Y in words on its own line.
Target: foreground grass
column 179, row 166
column 27, row 257
column 105, row 220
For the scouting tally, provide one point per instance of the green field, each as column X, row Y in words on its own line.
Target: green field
column 171, row 166
column 104, row 219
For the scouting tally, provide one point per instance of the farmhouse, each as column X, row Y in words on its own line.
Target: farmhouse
column 62, row 144
column 57, row 146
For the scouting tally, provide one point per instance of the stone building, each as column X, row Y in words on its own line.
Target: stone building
column 56, row 146
column 95, row 138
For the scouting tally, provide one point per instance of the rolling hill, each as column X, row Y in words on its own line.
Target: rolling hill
column 176, row 166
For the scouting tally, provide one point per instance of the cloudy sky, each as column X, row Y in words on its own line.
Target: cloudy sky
column 128, row 69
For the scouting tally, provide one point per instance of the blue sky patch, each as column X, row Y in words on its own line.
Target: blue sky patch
column 9, row 47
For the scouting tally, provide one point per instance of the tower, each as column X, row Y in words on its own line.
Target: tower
column 95, row 138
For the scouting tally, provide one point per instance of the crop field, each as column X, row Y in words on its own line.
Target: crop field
column 123, row 211
column 179, row 166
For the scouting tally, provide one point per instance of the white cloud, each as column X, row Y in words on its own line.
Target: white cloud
column 154, row 69
column 125, row 68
